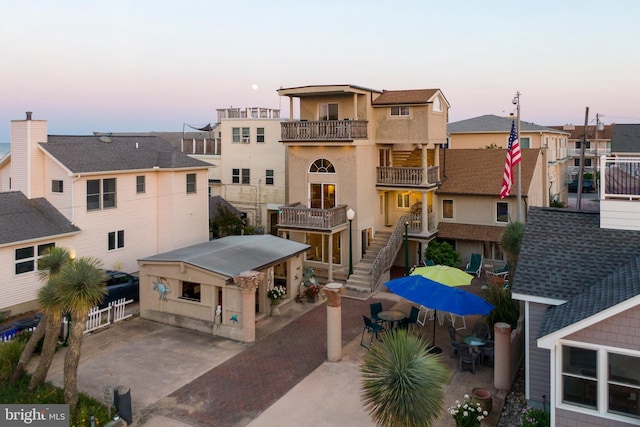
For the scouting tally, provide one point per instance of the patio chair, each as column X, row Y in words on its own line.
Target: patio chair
column 467, row 356
column 489, row 351
column 455, row 344
column 475, row 265
column 411, row 320
column 481, row 330
column 375, row 308
column 499, row 276
column 428, row 262
column 424, row 314
column 373, row 328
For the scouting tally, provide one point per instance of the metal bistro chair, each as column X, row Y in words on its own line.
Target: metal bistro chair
column 455, row 344
column 411, row 320
column 375, row 307
column 467, row 356
column 481, row 330
column 373, row 328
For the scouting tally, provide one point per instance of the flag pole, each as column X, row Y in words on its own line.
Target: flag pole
column 516, row 101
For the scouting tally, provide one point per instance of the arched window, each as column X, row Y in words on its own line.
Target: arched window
column 322, row 166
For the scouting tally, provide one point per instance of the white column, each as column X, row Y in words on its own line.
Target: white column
column 333, row 292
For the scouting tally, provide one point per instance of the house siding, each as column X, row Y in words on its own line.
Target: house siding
column 538, row 358
column 621, row 331
column 566, row 418
column 27, row 160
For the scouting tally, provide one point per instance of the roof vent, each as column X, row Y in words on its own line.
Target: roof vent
column 29, row 115
column 105, row 139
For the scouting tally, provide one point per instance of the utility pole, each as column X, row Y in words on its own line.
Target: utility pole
column 581, row 170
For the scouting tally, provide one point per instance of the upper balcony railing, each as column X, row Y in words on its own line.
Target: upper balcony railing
column 211, row 146
column 620, row 178
column 408, row 177
column 575, row 152
column 299, row 216
column 324, row 130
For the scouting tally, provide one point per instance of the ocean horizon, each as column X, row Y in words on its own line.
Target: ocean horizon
column 4, row 148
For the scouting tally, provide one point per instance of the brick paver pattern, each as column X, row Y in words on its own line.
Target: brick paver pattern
column 238, row 390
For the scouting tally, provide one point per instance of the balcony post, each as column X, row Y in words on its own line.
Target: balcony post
column 425, row 213
column 425, row 166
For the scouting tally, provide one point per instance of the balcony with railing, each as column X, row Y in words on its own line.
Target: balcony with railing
column 407, row 177
column 299, row 216
column 620, row 192
column 324, row 130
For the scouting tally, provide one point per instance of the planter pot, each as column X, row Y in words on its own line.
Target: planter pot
column 483, row 397
column 275, row 310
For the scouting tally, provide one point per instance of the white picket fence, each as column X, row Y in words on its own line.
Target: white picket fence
column 10, row 337
column 103, row 317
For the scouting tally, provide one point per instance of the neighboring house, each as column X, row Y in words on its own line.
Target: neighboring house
column 493, row 131
column 252, row 168
column 123, row 198
column 470, row 214
column 369, row 151
column 578, row 275
column 220, row 287
column 598, row 143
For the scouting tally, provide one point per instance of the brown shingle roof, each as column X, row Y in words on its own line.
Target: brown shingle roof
column 479, row 171
column 417, row 96
column 483, row 233
column 578, row 131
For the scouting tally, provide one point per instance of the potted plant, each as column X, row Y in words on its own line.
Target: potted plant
column 276, row 293
column 467, row 414
column 311, row 292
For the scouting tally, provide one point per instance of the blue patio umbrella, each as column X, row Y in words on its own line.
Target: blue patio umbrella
column 437, row 296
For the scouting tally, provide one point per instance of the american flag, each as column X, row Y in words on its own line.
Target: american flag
column 513, row 158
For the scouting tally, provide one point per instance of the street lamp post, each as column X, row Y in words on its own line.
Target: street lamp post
column 350, row 215
column 406, row 248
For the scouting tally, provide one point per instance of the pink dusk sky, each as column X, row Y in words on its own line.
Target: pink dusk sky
column 117, row 66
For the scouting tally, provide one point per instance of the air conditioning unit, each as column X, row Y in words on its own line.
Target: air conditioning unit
column 245, row 140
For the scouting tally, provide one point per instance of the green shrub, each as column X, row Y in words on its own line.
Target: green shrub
column 442, row 253
column 10, row 352
column 535, row 417
column 507, row 310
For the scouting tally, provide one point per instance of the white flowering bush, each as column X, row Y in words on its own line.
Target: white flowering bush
column 276, row 293
column 467, row 414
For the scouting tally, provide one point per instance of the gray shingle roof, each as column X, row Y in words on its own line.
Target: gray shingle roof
column 492, row 123
column 83, row 154
column 625, row 138
column 622, row 284
column 232, row 255
column 563, row 252
column 24, row 219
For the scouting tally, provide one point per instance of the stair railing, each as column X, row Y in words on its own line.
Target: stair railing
column 385, row 257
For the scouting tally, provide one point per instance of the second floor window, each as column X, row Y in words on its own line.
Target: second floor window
column 328, row 112
column 260, row 135
column 116, row 240
column 26, row 258
column 269, row 177
column 101, row 193
column 240, row 176
column 191, row 183
column 502, row 212
column 399, row 111
column 447, row 209
column 140, row 184
column 57, row 186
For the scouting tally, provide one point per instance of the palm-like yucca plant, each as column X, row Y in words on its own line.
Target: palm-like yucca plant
column 49, row 266
column 81, row 286
column 510, row 243
column 402, row 382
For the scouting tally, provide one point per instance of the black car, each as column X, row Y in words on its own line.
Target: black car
column 121, row 285
column 587, row 186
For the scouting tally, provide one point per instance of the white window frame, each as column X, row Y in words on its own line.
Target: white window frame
column 505, row 221
column 325, row 112
column 245, row 176
column 38, row 251
column 602, row 379
column 235, row 135
column 269, row 178
column 104, row 199
column 57, row 186
column 141, row 184
column 260, row 135
column 246, row 135
column 235, row 175
column 115, row 240
column 403, row 200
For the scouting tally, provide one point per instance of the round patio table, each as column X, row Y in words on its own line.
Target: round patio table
column 392, row 317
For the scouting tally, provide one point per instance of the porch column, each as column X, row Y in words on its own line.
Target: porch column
column 248, row 282
column 333, row 292
column 502, row 356
column 425, row 165
column 330, row 272
column 425, row 213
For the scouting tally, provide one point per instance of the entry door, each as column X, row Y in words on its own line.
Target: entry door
column 322, row 196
